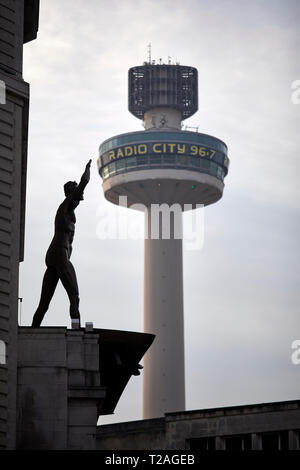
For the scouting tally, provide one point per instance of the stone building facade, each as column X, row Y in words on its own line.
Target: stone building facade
column 18, row 24
column 267, row 426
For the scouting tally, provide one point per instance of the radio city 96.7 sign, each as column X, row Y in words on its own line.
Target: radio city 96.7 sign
column 166, row 148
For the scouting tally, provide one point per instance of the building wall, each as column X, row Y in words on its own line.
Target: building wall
column 135, row 435
column 11, row 36
column 254, row 427
column 59, row 391
column 13, row 155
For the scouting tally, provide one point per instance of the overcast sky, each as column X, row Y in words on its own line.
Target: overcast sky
column 241, row 291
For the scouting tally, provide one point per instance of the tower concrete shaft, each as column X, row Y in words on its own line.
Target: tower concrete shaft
column 165, row 166
column 164, row 381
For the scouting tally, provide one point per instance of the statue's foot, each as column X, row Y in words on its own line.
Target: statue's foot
column 75, row 323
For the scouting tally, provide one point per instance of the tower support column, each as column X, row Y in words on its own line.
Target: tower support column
column 164, row 382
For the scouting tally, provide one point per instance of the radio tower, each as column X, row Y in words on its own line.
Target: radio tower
column 163, row 164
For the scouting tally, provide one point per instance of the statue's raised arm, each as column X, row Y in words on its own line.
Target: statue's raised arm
column 76, row 193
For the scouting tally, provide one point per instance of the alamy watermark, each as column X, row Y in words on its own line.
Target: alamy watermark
column 295, row 357
column 295, row 96
column 162, row 221
column 2, row 352
column 2, row 92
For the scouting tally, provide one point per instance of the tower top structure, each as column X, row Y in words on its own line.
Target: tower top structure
column 162, row 85
column 164, row 164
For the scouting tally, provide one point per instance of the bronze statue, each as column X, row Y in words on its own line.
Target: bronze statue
column 59, row 252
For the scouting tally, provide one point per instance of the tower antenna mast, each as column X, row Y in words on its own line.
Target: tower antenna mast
column 149, row 53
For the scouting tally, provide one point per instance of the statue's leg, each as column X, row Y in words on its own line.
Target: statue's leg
column 68, row 278
column 49, row 284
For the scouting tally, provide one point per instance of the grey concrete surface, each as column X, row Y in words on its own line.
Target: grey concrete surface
column 59, row 391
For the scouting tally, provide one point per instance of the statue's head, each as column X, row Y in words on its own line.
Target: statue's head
column 69, row 187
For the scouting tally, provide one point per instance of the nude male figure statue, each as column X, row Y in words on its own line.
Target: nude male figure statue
column 59, row 252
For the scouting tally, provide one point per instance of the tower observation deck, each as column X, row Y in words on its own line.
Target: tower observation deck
column 163, row 165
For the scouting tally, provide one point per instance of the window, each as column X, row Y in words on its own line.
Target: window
column 195, row 162
column 182, row 161
column 270, row 441
column 213, row 168
column 218, row 158
column 105, row 172
column 274, row 441
column 120, row 165
column 242, row 442
column 205, row 164
column 112, row 168
column 130, row 162
column 142, row 160
column 155, row 159
column 203, row 444
column 169, row 160
column 220, row 173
